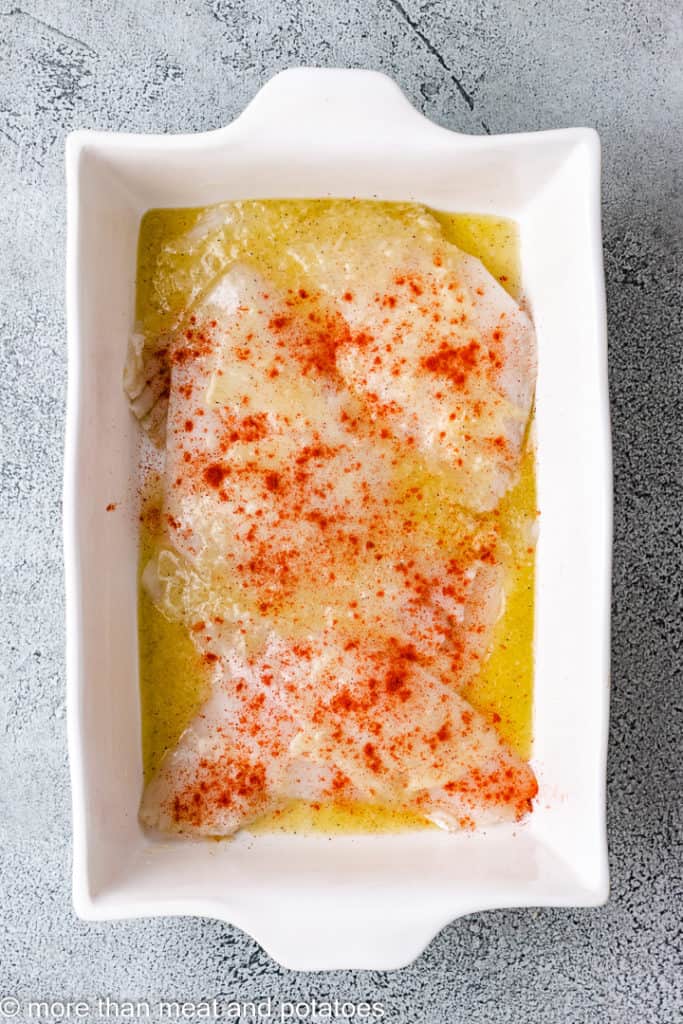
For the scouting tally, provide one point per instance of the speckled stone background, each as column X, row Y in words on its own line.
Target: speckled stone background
column 473, row 65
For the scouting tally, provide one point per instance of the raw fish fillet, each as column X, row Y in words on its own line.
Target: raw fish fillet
column 337, row 627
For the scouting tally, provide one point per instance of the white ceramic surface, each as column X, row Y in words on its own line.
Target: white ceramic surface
column 350, row 901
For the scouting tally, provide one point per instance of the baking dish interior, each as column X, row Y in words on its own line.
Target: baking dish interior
column 373, row 900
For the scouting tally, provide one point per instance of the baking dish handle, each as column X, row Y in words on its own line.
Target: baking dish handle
column 327, row 105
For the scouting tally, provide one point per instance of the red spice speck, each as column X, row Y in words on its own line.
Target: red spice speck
column 278, row 322
column 372, row 758
column 453, row 362
column 215, row 474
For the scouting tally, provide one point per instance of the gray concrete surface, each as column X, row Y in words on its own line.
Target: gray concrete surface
column 473, row 65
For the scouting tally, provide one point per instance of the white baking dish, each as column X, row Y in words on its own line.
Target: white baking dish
column 352, row 901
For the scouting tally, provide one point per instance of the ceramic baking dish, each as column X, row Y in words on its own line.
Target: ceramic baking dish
column 370, row 901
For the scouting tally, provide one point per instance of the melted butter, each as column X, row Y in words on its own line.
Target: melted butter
column 173, row 680
column 503, row 690
column 493, row 240
column 303, row 817
column 180, row 254
column 163, row 267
